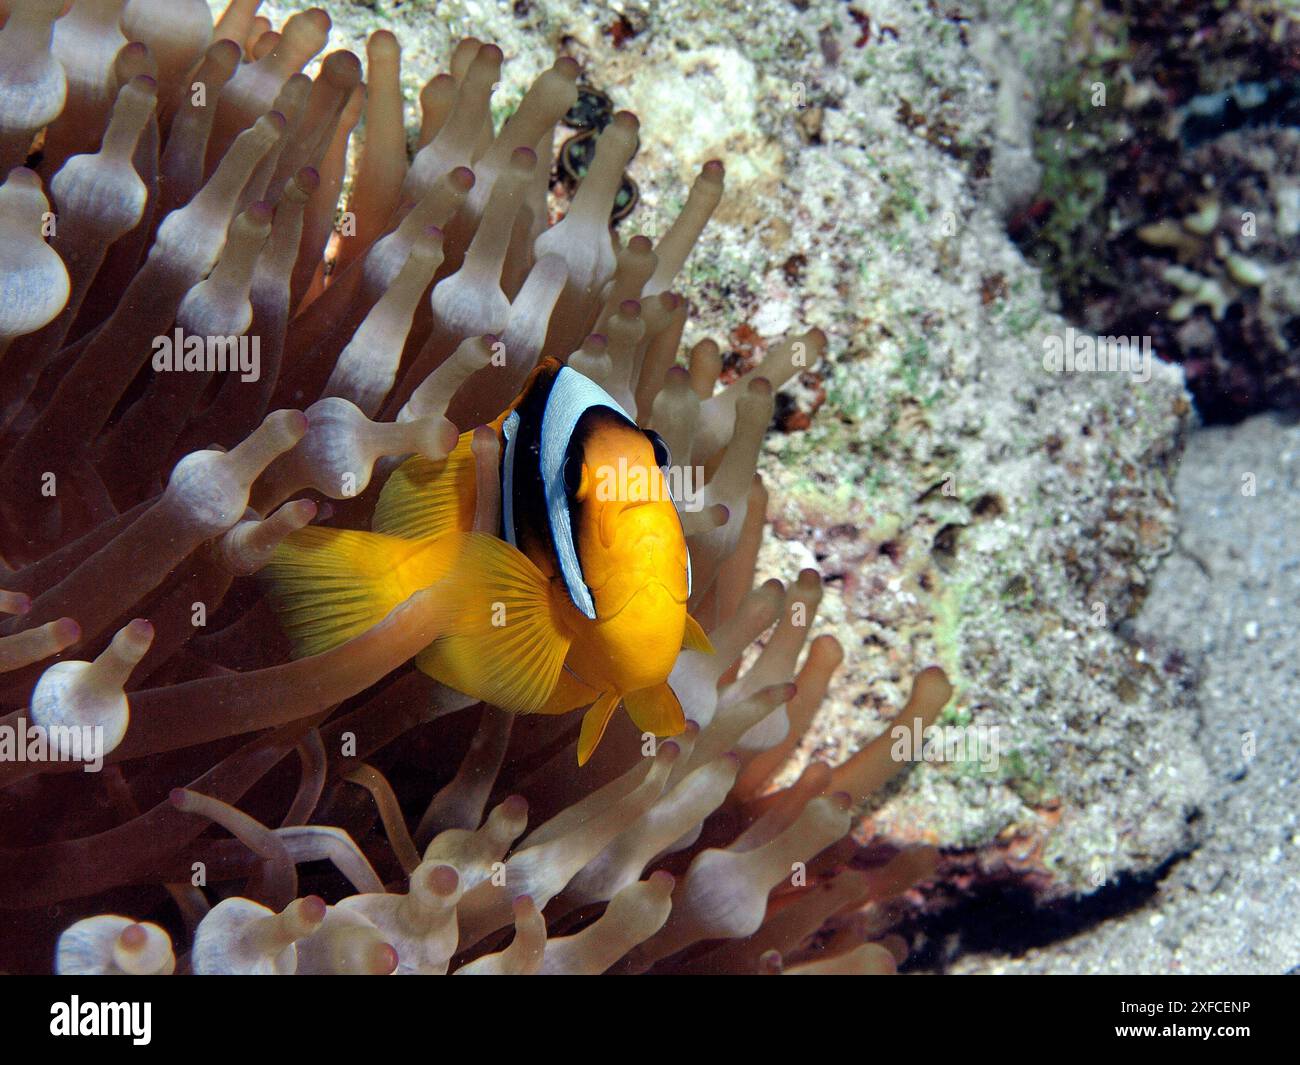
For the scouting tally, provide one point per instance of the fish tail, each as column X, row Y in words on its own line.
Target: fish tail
column 329, row 585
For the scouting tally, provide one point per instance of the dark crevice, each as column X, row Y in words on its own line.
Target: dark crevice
column 1003, row 918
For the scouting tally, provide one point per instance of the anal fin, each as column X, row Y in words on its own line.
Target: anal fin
column 656, row 710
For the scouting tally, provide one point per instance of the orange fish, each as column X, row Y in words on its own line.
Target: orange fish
column 581, row 599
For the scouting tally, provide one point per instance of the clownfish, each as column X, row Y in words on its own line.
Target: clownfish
column 580, row 600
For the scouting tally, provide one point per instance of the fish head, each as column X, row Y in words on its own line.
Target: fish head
column 632, row 549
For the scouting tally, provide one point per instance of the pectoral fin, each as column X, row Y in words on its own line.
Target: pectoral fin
column 656, row 710
column 505, row 646
column 694, row 638
column 594, row 723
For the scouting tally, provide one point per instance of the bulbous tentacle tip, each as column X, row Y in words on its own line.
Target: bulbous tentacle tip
column 514, row 807
column 932, row 685
column 382, row 959
column 342, row 70
column 133, row 60
column 65, row 632
column 23, row 178
column 662, row 881
column 312, row 909
column 259, row 214
column 290, row 425
column 133, row 937
column 809, row 579
column 224, row 53
column 134, row 639
column 626, row 120
column 298, row 512
column 34, row 644
column 445, row 438
column 442, row 881
column 383, row 44
column 17, row 603
column 109, row 944
column 271, row 125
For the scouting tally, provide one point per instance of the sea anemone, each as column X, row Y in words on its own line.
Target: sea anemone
column 344, row 813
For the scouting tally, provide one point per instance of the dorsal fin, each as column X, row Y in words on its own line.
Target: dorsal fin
column 423, row 498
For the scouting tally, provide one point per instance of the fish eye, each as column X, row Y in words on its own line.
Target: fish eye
column 573, row 474
column 662, row 455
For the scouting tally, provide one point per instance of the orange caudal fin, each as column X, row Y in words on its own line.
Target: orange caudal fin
column 594, row 723
column 656, row 710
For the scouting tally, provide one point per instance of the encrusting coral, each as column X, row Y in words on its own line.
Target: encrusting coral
column 187, row 179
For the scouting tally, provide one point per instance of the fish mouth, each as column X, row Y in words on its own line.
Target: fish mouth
column 648, row 586
column 612, row 513
column 680, row 600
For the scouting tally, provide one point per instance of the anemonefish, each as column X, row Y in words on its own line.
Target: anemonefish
column 579, row 601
